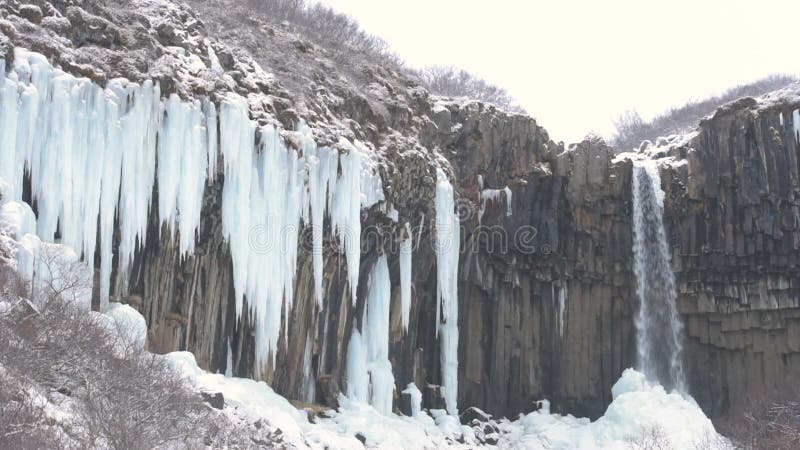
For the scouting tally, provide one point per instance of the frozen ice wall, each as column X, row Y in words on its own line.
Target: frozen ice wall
column 369, row 372
column 94, row 154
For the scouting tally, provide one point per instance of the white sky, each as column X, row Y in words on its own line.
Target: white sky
column 575, row 65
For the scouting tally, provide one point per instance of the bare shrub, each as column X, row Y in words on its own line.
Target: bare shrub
column 332, row 30
column 61, row 277
column 57, row 356
column 454, row 82
column 772, row 421
column 349, row 45
column 649, row 438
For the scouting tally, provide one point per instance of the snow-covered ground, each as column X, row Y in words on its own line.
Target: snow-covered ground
column 640, row 411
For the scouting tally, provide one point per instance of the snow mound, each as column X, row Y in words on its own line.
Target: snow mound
column 131, row 326
column 254, row 399
column 18, row 219
column 639, row 408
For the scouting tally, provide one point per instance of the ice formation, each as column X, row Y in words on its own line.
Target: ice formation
column 406, row 249
column 492, row 196
column 796, row 124
column 638, row 408
column 309, row 382
column 416, row 398
column 49, row 268
column 94, row 154
column 562, row 307
column 659, row 340
column 369, row 372
column 447, row 253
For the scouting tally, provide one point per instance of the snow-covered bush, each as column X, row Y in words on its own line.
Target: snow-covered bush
column 65, row 383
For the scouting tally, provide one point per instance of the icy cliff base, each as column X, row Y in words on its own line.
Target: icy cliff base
column 640, row 412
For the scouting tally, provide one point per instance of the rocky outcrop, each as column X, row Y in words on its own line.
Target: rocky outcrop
column 546, row 288
column 733, row 214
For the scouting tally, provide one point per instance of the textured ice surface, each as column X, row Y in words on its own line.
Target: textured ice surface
column 447, row 253
column 94, row 154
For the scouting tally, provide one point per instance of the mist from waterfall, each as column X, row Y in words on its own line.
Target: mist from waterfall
column 659, row 329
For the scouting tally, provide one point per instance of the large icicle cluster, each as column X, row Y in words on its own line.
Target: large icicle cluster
column 94, row 154
column 447, row 252
column 369, row 372
column 90, row 152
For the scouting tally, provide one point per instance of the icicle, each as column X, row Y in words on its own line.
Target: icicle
column 110, row 183
column 346, row 212
column 493, row 196
column 237, row 135
column 507, row 190
column 406, row 249
column 562, row 305
column 275, row 212
column 447, row 253
column 171, row 141
column 357, row 375
column 211, row 137
column 376, row 333
column 371, row 183
column 319, row 163
column 309, row 384
column 193, row 167
column 416, row 398
column 796, row 124
column 11, row 163
column 140, row 123
column 371, row 355
column 229, row 361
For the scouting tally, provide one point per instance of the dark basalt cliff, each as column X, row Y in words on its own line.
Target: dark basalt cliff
column 546, row 292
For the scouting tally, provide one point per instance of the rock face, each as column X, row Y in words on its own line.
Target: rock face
column 546, row 288
column 733, row 214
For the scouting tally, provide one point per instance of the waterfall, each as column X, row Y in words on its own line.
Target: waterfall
column 658, row 325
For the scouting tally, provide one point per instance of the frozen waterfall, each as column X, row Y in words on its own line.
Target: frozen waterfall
column 658, row 325
column 369, row 372
column 447, row 253
column 93, row 155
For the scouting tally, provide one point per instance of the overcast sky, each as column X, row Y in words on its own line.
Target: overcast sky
column 575, row 65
